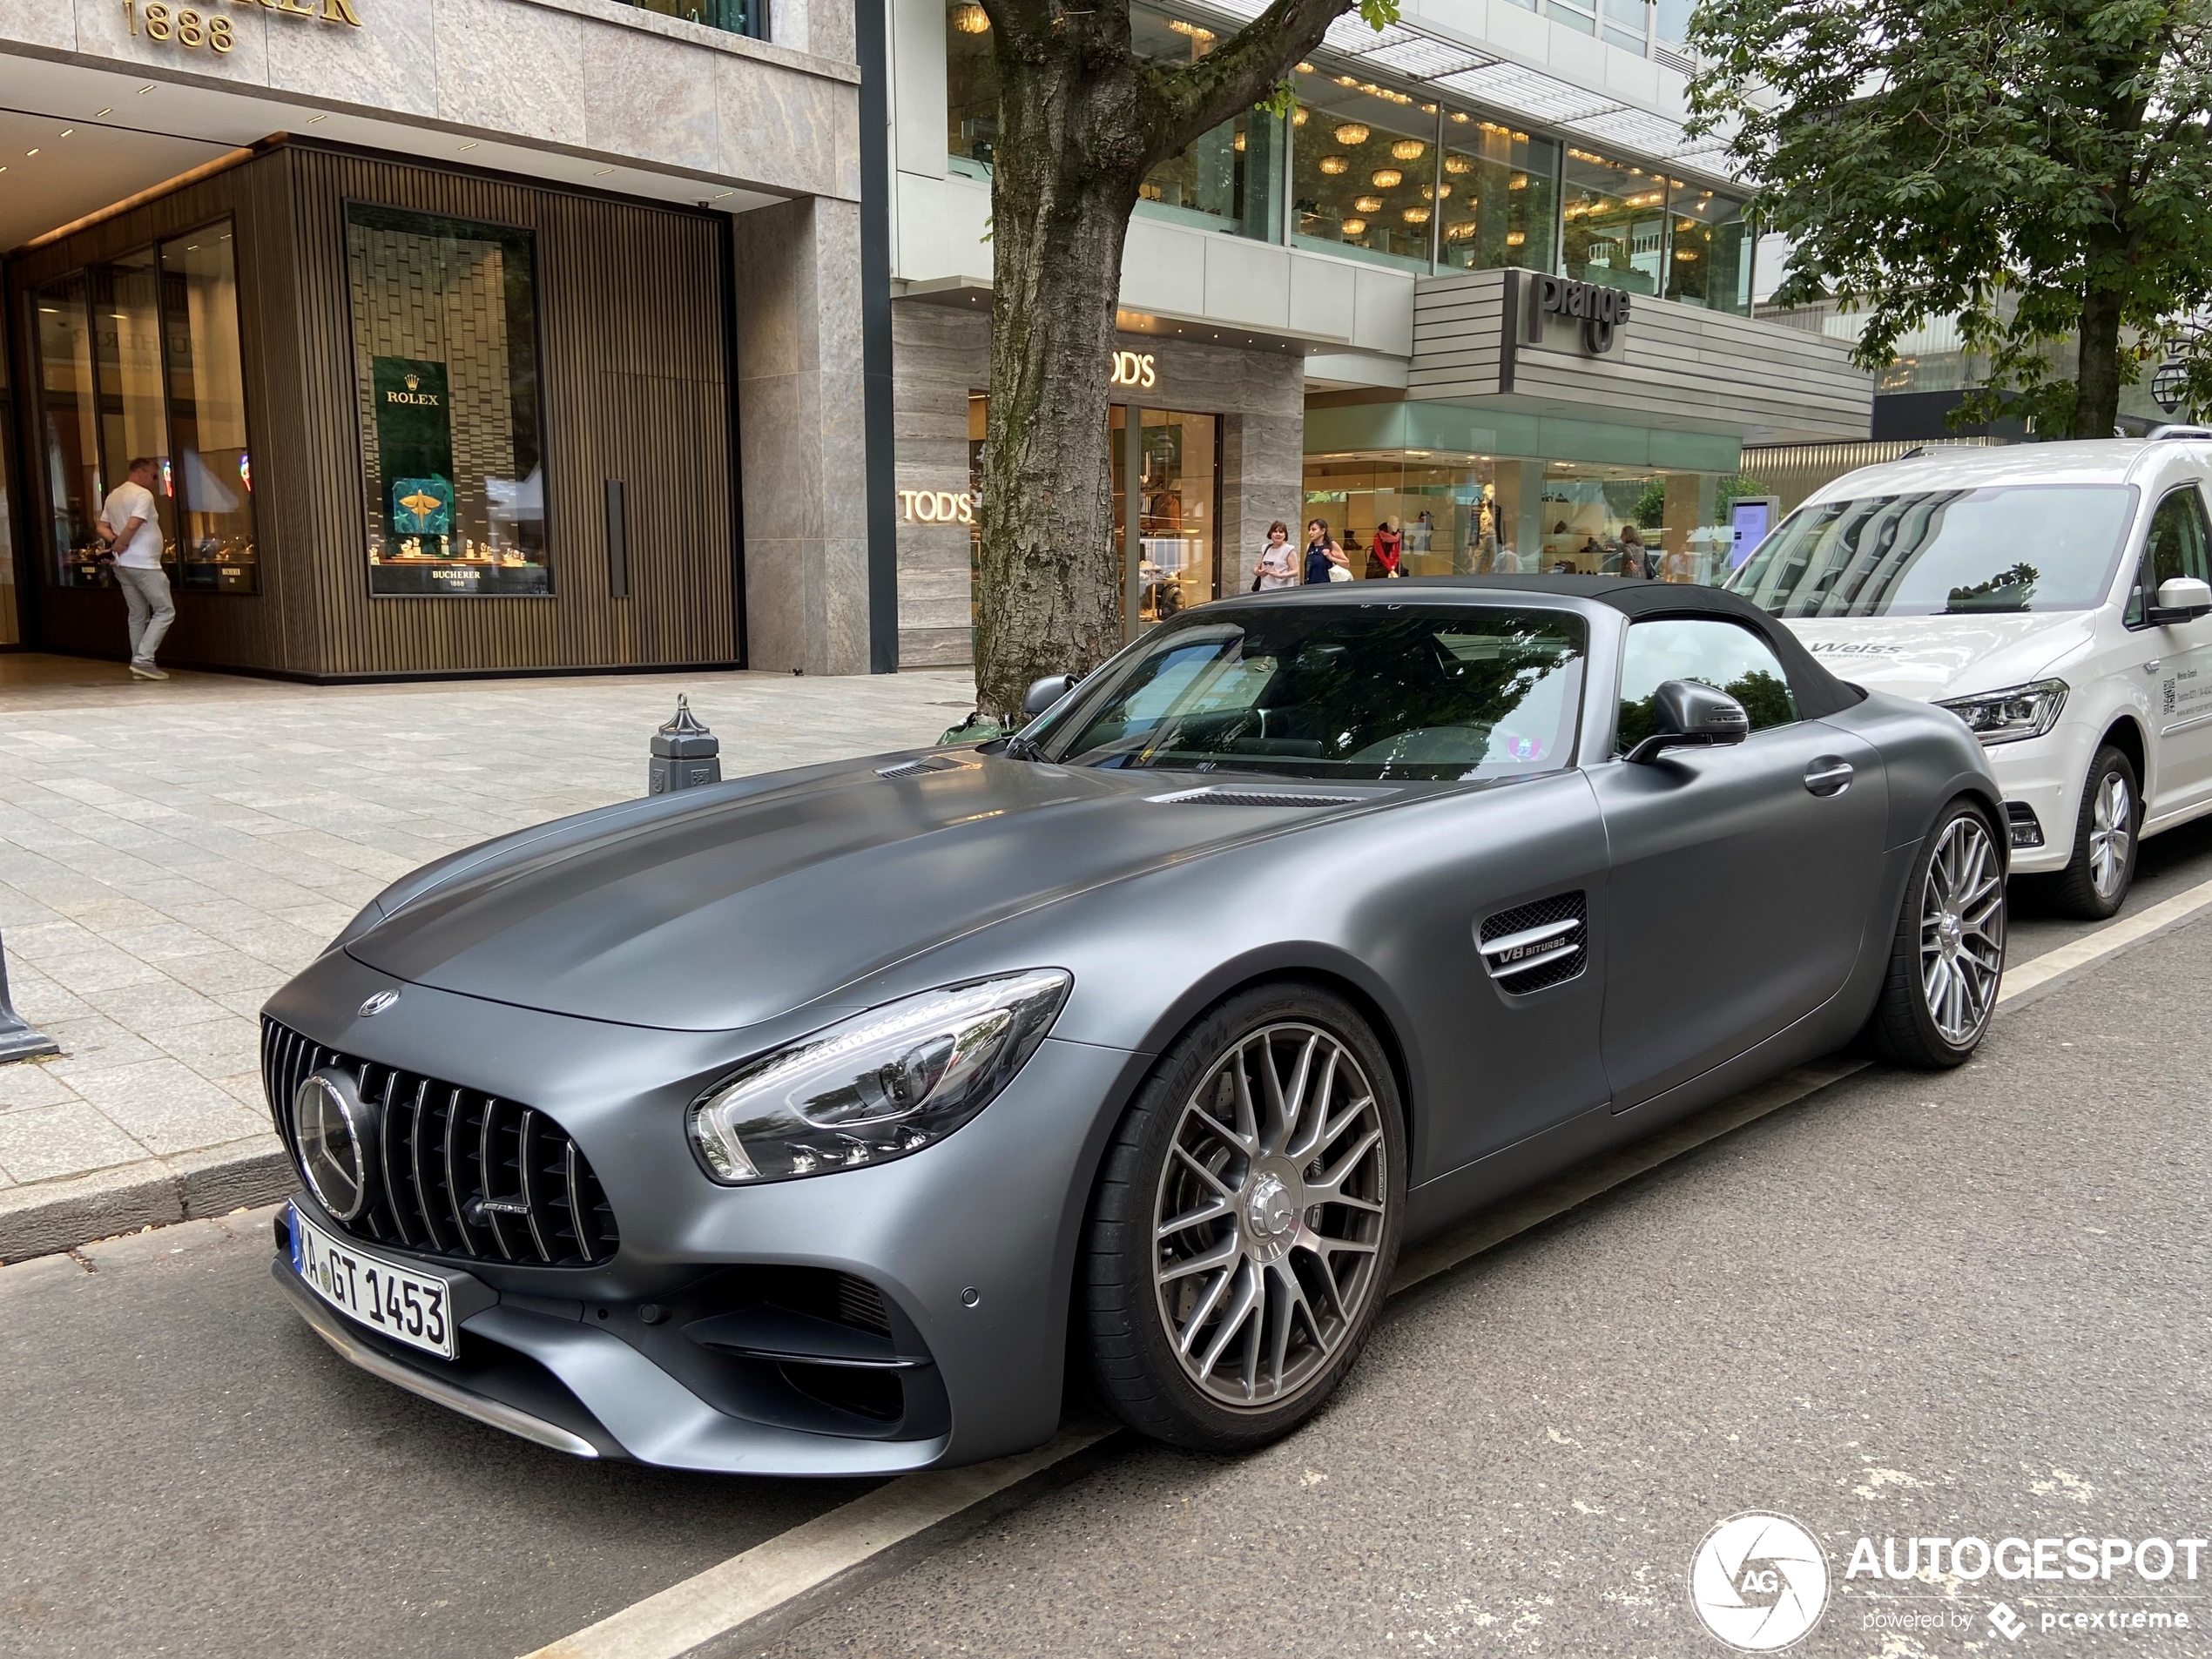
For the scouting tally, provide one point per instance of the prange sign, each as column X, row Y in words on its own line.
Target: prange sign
column 1600, row 310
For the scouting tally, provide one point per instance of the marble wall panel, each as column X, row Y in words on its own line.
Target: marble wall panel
column 387, row 63
column 829, row 29
column 39, row 22
column 845, row 607
column 511, row 68
column 775, row 601
column 778, row 126
column 643, row 96
column 780, row 437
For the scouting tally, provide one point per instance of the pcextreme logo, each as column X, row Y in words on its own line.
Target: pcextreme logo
column 1759, row 1581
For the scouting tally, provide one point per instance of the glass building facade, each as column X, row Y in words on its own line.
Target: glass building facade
column 1395, row 176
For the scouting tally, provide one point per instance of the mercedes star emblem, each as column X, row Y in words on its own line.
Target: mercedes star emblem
column 378, row 1003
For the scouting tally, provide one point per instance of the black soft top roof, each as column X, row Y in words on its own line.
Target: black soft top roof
column 1818, row 692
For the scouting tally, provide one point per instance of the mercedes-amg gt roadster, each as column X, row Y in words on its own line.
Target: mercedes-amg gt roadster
column 843, row 1120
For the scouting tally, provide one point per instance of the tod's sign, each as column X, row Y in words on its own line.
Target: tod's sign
column 1600, row 311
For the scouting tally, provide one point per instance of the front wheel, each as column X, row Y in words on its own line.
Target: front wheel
column 2106, row 833
column 1245, row 1221
column 1948, row 956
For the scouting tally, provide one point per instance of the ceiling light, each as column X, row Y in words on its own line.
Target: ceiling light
column 30, row 152
column 1514, row 238
column 1368, row 204
column 1415, row 215
column 1460, row 115
column 1334, row 165
column 1458, row 165
column 318, row 120
column 67, row 131
column 971, row 19
column 96, row 114
column 1385, row 178
column 1355, row 227
column 1409, row 149
column 471, row 144
column 1304, row 69
column 1459, row 230
column 603, row 172
column 1350, row 133
column 1297, row 117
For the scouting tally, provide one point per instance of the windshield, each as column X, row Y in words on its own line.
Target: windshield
column 1949, row 552
column 1368, row 691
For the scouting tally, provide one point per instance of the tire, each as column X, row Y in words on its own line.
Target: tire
column 2101, row 843
column 1297, row 1278
column 1946, row 961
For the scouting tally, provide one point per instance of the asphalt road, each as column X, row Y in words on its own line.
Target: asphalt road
column 1972, row 1304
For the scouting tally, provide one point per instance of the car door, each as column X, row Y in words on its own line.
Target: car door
column 2177, row 657
column 1743, row 879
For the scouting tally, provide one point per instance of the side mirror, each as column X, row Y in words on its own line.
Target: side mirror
column 1043, row 693
column 1691, row 715
column 2182, row 598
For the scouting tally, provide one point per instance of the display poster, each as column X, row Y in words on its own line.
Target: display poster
column 414, row 451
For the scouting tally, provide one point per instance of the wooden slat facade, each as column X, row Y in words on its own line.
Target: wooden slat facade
column 635, row 383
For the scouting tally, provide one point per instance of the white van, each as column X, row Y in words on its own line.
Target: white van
column 2055, row 596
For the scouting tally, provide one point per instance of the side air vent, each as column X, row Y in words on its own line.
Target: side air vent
column 1252, row 797
column 1534, row 947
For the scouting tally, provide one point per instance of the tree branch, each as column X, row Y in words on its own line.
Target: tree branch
column 1196, row 97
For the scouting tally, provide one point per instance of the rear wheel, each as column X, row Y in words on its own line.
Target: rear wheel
column 1948, row 956
column 1245, row 1221
column 2106, row 834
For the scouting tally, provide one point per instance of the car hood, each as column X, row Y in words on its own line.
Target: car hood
column 757, row 900
column 1931, row 657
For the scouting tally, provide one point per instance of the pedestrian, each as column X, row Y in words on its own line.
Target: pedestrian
column 1382, row 557
column 1636, row 557
column 131, row 527
column 1323, row 557
column 1278, row 565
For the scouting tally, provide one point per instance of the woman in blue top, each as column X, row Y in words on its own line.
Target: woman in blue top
column 1321, row 552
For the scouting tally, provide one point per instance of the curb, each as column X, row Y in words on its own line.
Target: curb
column 53, row 1215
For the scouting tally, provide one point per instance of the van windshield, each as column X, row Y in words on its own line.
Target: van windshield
column 1944, row 552
column 1337, row 691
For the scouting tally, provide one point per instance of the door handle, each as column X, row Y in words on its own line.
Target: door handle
column 1828, row 776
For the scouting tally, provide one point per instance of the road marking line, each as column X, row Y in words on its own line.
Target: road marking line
column 2090, row 948
column 771, row 1574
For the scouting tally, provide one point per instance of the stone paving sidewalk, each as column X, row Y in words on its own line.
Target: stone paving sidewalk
column 171, row 853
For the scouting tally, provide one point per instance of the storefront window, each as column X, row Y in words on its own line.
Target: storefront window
column 1613, row 223
column 445, row 350
column 1441, row 506
column 1175, row 455
column 971, row 84
column 212, row 471
column 1710, row 264
column 139, row 359
column 70, row 427
column 1497, row 196
column 1364, row 170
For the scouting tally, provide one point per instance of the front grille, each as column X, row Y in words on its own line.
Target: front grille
column 460, row 1173
column 1534, row 947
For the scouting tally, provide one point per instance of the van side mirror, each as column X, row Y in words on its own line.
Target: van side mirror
column 2182, row 598
column 1043, row 693
column 1691, row 715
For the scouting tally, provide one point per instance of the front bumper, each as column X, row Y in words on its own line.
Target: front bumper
column 2045, row 775
column 679, row 1351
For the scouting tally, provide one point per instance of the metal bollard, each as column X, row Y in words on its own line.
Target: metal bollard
column 20, row 1039
column 685, row 754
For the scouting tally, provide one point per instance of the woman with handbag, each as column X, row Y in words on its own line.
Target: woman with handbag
column 1278, row 566
column 1324, row 558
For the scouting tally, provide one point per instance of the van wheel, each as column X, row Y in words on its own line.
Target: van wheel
column 2105, row 835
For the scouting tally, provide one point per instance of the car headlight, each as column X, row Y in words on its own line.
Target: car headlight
column 2010, row 715
column 878, row 1086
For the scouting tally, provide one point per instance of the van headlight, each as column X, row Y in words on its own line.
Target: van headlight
column 2010, row 715
column 878, row 1086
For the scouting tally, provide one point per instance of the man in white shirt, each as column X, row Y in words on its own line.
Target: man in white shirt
column 131, row 527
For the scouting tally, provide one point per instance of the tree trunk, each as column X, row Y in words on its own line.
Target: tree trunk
column 2096, row 375
column 1064, row 179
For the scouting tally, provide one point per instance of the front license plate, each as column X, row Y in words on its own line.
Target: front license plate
column 408, row 1307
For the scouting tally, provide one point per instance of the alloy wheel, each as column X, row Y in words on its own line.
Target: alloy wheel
column 2112, row 833
column 1269, row 1214
column 1962, row 930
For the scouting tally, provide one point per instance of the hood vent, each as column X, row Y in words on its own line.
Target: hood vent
column 916, row 767
column 1534, row 947
column 1251, row 798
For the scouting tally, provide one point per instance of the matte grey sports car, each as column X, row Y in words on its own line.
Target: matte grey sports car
column 839, row 1120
